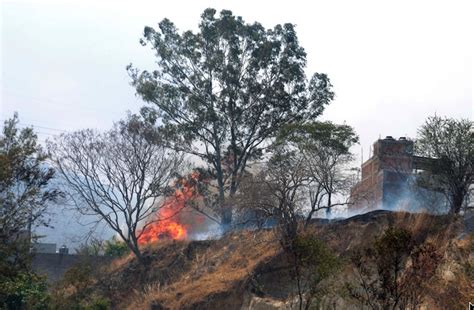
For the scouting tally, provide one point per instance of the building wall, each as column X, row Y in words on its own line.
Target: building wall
column 44, row 247
column 55, row 265
column 384, row 175
column 369, row 190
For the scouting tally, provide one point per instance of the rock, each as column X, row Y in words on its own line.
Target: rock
column 258, row 303
column 448, row 275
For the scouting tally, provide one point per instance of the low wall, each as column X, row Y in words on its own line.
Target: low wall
column 55, row 265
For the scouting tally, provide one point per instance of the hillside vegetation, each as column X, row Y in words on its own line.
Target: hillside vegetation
column 246, row 269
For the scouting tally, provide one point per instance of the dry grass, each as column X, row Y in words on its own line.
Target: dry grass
column 215, row 274
column 223, row 267
column 120, row 262
column 453, row 286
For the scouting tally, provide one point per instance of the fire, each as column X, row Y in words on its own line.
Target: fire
column 166, row 224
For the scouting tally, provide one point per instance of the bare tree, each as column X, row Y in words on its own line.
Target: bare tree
column 306, row 173
column 280, row 192
column 277, row 192
column 118, row 175
column 302, row 176
column 287, row 178
column 327, row 167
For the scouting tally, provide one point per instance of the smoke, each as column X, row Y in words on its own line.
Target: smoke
column 411, row 197
column 399, row 194
column 406, row 196
column 208, row 231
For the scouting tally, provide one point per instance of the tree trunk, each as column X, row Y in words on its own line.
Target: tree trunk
column 226, row 211
column 298, row 278
column 328, row 210
column 133, row 246
column 139, row 256
column 457, row 200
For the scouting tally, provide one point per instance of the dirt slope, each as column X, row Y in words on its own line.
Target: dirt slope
column 245, row 270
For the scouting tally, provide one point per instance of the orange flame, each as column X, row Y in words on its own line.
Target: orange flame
column 166, row 225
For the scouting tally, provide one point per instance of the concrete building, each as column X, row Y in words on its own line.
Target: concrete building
column 385, row 176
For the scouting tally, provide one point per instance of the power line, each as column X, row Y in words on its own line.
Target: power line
column 37, row 126
column 43, row 127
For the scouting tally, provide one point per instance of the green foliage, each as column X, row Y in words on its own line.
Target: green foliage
column 325, row 149
column 24, row 291
column 76, row 288
column 311, row 262
column 61, row 301
column 393, row 246
column 25, row 193
column 15, row 257
column 391, row 249
column 314, row 255
column 308, row 164
column 115, row 248
column 229, row 87
column 24, row 180
column 451, row 142
column 393, row 273
column 319, row 135
column 74, row 291
column 98, row 303
column 93, row 247
column 79, row 276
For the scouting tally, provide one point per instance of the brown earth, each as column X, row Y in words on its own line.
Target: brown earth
column 246, row 270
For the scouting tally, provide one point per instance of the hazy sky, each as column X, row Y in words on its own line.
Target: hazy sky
column 392, row 63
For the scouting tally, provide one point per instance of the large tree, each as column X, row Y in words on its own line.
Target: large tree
column 26, row 191
column 25, row 182
column 222, row 92
column 118, row 175
column 451, row 142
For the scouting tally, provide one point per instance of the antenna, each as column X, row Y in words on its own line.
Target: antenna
column 362, row 156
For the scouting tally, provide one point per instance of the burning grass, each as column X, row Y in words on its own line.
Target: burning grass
column 171, row 221
column 223, row 270
column 217, row 273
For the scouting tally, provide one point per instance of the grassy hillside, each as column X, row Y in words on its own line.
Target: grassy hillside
column 247, row 270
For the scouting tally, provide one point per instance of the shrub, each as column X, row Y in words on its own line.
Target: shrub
column 24, row 291
column 392, row 274
column 311, row 262
column 115, row 248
